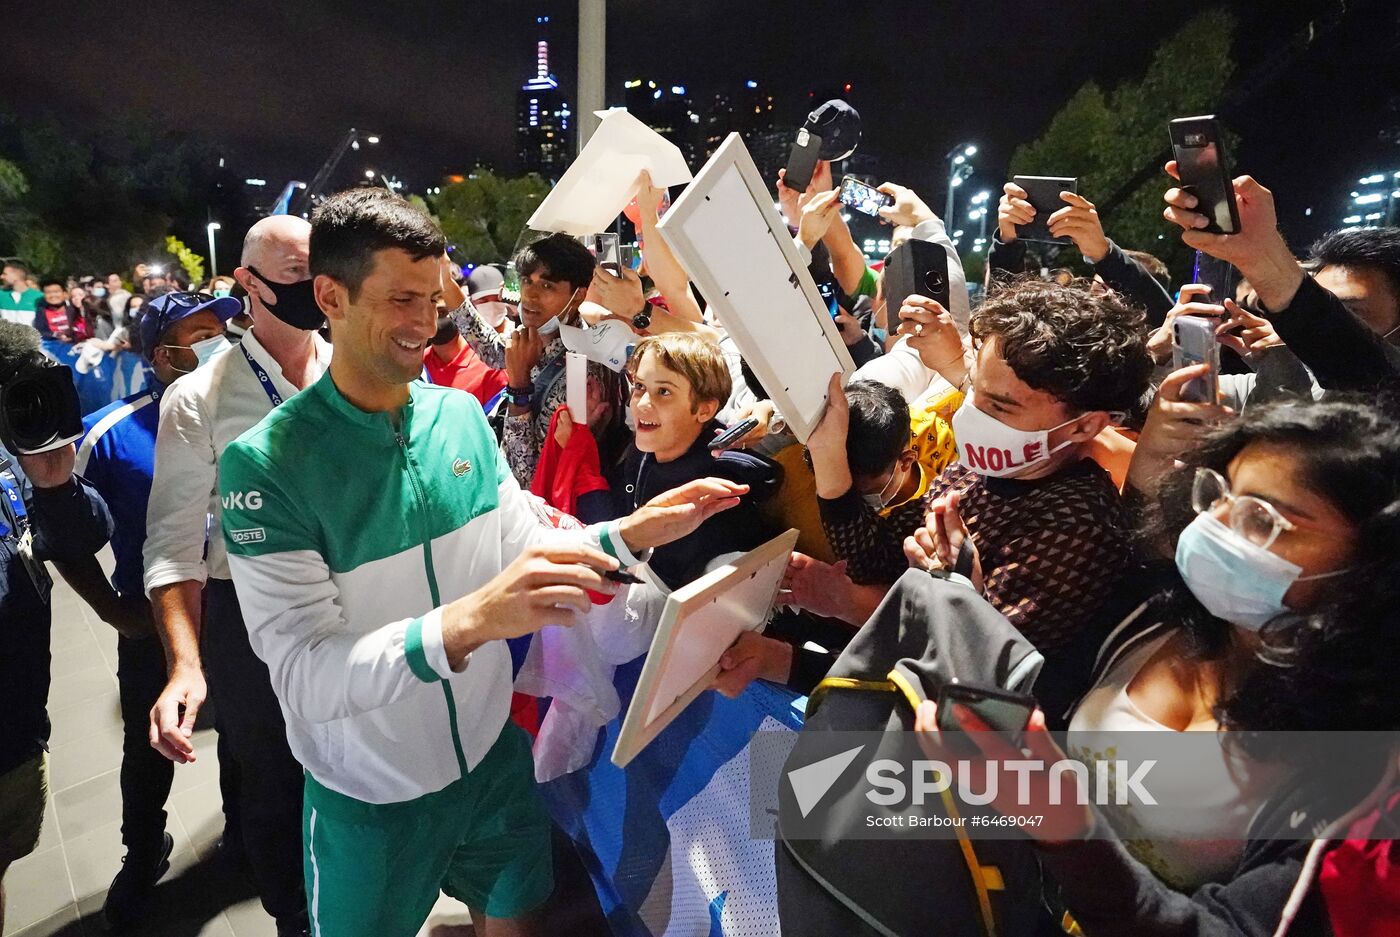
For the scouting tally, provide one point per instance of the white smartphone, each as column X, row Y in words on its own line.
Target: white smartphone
column 576, row 386
column 1194, row 342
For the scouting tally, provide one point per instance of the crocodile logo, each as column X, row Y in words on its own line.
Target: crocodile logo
column 461, row 467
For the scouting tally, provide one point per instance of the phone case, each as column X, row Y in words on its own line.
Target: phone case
column 916, row 267
column 802, row 161
column 1194, row 342
column 1204, row 168
column 1043, row 192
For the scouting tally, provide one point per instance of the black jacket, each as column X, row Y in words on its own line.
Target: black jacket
column 1339, row 349
column 642, row 478
column 68, row 523
column 1124, row 275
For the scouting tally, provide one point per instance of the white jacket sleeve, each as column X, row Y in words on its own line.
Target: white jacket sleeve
column 177, row 516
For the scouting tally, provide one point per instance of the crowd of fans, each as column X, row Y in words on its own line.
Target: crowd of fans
column 1183, row 565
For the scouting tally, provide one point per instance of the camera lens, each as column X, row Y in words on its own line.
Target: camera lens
column 30, row 412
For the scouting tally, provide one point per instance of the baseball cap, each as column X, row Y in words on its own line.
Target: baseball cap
column 483, row 281
column 838, row 124
column 164, row 311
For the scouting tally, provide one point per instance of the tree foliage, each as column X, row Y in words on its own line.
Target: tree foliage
column 484, row 214
column 104, row 203
column 189, row 261
column 1104, row 138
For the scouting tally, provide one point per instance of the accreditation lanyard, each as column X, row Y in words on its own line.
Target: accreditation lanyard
column 262, row 376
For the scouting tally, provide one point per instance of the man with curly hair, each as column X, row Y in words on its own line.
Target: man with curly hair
column 1044, row 525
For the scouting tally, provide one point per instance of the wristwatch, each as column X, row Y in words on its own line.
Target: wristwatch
column 519, row 396
column 642, row 320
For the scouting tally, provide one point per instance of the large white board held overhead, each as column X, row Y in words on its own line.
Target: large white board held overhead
column 699, row 623
column 599, row 184
column 736, row 248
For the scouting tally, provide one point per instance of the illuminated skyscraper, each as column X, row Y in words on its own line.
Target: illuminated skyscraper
column 543, row 126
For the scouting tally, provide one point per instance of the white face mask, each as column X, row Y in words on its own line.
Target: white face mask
column 204, row 351
column 494, row 312
column 552, row 326
column 878, row 501
column 990, row 447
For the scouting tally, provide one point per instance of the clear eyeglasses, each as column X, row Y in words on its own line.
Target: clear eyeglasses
column 1254, row 519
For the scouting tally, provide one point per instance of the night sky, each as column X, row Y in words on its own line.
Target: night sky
column 276, row 83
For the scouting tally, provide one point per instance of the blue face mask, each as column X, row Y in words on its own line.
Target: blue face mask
column 1236, row 580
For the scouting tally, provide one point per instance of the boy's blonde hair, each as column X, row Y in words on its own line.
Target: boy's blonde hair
column 699, row 361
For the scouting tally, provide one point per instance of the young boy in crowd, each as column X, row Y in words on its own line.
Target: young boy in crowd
column 891, row 461
column 679, row 382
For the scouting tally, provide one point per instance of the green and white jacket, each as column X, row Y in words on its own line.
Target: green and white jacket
column 346, row 535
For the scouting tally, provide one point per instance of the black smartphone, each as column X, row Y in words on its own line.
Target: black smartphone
column 1043, row 192
column 828, row 290
column 915, row 267
column 734, row 433
column 1205, row 172
column 1218, row 274
column 863, row 197
column 802, row 161
column 1001, row 710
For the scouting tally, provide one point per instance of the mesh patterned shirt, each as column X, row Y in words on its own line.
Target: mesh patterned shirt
column 1052, row 549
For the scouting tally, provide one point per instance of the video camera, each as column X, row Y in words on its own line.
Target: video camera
column 39, row 409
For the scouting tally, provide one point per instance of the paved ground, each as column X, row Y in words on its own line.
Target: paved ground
column 60, row 888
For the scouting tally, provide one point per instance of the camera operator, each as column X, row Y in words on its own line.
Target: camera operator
column 46, row 513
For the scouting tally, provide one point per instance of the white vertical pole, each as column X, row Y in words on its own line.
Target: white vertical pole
column 592, row 59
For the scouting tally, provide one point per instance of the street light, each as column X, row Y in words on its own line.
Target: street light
column 371, row 139
column 959, row 169
column 369, row 173
column 211, row 227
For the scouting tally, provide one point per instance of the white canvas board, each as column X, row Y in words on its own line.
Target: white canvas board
column 605, row 176
column 735, row 246
column 699, row 622
column 576, row 386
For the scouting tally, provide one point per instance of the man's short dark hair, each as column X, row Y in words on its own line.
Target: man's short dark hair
column 879, row 427
column 351, row 227
column 1374, row 248
column 15, row 262
column 1154, row 266
column 1086, row 348
column 47, row 282
column 560, row 257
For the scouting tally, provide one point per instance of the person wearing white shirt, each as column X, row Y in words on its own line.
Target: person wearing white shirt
column 186, row 570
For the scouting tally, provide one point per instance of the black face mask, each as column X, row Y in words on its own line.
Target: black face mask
column 296, row 303
column 447, row 332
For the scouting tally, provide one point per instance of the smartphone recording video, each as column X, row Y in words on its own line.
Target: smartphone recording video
column 863, row 197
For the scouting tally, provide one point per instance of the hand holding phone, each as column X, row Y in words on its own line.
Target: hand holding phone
column 1043, row 194
column 1194, row 342
column 733, row 434
column 863, row 197
column 1204, row 172
column 1000, row 710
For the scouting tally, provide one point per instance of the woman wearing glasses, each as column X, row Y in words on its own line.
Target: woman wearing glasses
column 1284, row 527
